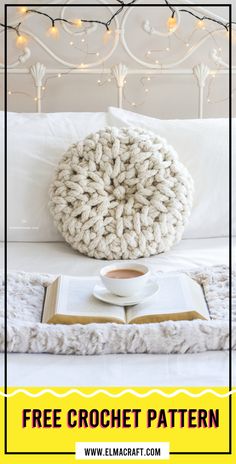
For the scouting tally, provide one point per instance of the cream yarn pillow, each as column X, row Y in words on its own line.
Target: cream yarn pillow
column 121, row 194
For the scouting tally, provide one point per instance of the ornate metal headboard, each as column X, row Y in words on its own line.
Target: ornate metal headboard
column 119, row 72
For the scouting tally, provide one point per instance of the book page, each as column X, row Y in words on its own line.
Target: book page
column 177, row 294
column 193, row 291
column 76, row 299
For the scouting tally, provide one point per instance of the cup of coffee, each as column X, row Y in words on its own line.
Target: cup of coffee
column 125, row 279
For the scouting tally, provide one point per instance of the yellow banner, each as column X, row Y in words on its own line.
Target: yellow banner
column 47, row 423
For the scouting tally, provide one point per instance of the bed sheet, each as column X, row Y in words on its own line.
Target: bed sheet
column 60, row 258
column 201, row 369
column 208, row 369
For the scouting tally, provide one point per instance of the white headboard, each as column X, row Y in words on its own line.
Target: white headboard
column 188, row 64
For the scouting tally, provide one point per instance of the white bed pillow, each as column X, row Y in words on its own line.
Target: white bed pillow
column 35, row 144
column 203, row 147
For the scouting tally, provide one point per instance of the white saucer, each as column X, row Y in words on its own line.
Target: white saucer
column 101, row 293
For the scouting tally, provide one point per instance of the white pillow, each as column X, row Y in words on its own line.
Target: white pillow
column 203, row 147
column 36, row 142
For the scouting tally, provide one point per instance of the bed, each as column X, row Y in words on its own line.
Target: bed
column 36, row 141
column 35, row 246
column 206, row 369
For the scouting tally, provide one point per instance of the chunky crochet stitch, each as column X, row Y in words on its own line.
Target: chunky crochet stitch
column 121, row 194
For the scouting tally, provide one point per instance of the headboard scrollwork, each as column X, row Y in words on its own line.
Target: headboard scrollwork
column 137, row 66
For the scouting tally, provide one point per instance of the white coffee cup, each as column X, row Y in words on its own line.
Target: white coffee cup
column 125, row 286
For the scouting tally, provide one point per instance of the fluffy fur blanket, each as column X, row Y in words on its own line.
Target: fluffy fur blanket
column 26, row 334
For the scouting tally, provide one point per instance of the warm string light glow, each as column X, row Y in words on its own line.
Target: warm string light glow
column 211, row 79
column 21, row 41
column 171, row 23
column 209, row 96
column 144, row 82
column 18, row 92
column 201, row 24
column 53, row 32
column 101, row 82
column 22, row 9
column 153, row 55
column 211, row 85
column 188, row 41
column 201, row 19
column 78, row 22
column 103, row 79
column 107, row 36
column 44, row 86
column 84, row 49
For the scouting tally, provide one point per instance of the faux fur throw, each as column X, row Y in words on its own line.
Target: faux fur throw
column 121, row 194
column 25, row 333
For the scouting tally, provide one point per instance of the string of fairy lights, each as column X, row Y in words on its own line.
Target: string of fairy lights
column 153, row 56
column 78, row 22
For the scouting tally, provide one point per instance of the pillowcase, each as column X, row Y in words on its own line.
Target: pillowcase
column 36, row 142
column 203, row 147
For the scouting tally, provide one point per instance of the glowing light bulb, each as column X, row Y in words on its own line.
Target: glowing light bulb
column 43, row 88
column 171, row 23
column 146, row 90
column 59, row 75
column 208, row 100
column 9, row 92
column 97, row 54
column 213, row 75
column 148, row 78
column 82, row 65
column 78, row 22
column 53, row 32
column 99, row 81
column 187, row 44
column 83, row 40
column 149, row 52
column 220, row 49
column 35, row 99
column 21, row 40
column 156, row 61
column 109, row 79
column 107, row 36
column 167, row 49
column 71, row 42
column 201, row 24
column 22, row 9
column 133, row 104
column 125, row 82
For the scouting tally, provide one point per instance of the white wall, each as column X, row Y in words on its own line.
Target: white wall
column 168, row 97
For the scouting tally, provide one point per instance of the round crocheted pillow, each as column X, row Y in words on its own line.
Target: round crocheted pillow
column 121, row 194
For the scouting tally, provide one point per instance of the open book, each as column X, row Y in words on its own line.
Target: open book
column 69, row 300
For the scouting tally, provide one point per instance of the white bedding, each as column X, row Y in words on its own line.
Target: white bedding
column 60, row 258
column 122, row 370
